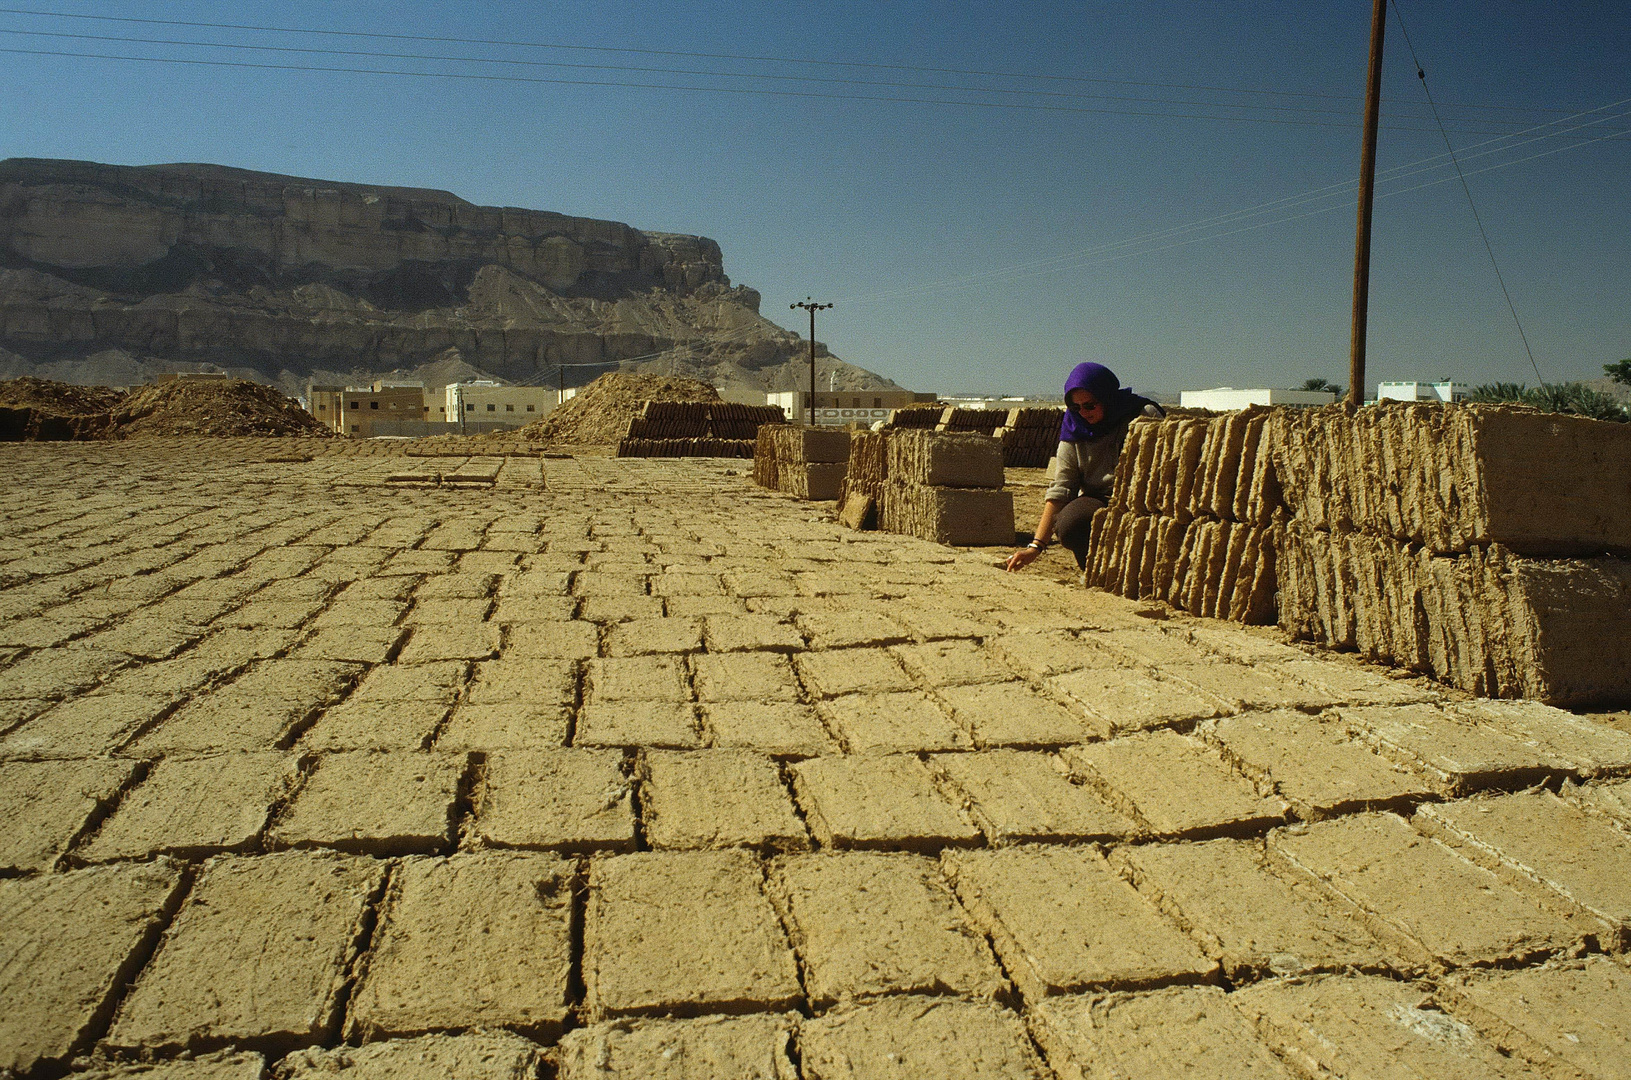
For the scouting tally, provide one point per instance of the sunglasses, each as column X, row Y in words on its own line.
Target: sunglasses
column 1084, row 406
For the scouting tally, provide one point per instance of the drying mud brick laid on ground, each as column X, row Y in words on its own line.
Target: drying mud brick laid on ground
column 683, row 933
column 1018, row 797
column 384, row 803
column 707, row 1046
column 886, row 802
column 475, row 940
column 716, row 799
column 556, row 800
column 778, row 728
column 222, row 1065
column 195, row 807
column 47, row 805
column 909, row 1036
column 1566, row 1015
column 1180, row 1031
column 486, row 1055
column 68, row 943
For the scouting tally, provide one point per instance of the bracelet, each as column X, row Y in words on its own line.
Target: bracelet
column 1038, row 545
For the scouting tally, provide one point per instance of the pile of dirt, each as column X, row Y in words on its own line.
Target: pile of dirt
column 227, row 407
column 601, row 411
column 38, row 409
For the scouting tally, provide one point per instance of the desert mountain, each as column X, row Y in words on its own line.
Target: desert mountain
column 113, row 273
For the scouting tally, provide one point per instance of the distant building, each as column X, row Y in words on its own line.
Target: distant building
column 1228, row 399
column 839, row 407
column 362, row 411
column 1420, row 391
column 489, row 403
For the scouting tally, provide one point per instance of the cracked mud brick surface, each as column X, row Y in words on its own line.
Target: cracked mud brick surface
column 303, row 773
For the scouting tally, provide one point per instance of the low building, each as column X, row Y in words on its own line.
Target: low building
column 485, row 402
column 361, row 412
column 839, row 407
column 1228, row 399
column 1445, row 391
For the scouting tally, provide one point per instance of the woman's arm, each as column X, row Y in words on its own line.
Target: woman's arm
column 1022, row 558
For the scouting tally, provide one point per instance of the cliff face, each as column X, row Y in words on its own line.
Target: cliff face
column 288, row 277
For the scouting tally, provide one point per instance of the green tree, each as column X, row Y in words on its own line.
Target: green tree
column 1620, row 372
column 1321, row 384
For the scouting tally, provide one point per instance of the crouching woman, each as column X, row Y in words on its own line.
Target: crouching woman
column 1097, row 411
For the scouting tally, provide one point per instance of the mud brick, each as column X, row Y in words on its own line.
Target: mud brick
column 535, row 582
column 278, row 614
column 419, row 682
column 940, row 459
column 1252, row 921
column 504, row 727
column 1582, row 857
column 376, row 803
column 637, row 678
column 1363, row 1025
column 937, row 623
column 566, row 640
column 1348, row 684
column 84, row 727
column 524, row 682
column 1151, row 648
column 1611, row 799
column 747, row 676
column 1572, row 1015
column 1017, row 797
column 68, row 944
column 1120, row 700
column 1461, row 757
column 1174, row 785
column 851, row 671
column 951, row 663
column 780, row 729
column 194, row 807
column 667, row 724
column 520, row 612
column 1314, row 764
column 746, row 633
column 1593, row 748
column 259, row 954
column 1064, row 922
column 1178, row 1031
column 600, row 583
column 716, row 799
column 455, row 587
column 1418, row 896
column 1241, row 687
column 676, row 584
column 644, row 637
column 433, row 612
column 347, row 612
column 616, row 609
column 893, row 723
column 359, row 644
column 225, row 721
column 707, row 1046
column 851, row 629
column 474, row 940
column 376, row 725
column 556, row 800
column 1011, row 714
column 700, row 607
column 683, row 932
column 483, row 1055
column 867, row 924
column 478, row 641
column 319, row 682
column 970, row 516
column 147, row 639
column 1042, row 654
column 222, row 1065
column 913, row 1036
column 44, row 806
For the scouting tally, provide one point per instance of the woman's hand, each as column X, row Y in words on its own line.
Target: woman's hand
column 1022, row 558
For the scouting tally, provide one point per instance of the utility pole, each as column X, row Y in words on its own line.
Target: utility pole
column 812, row 308
column 560, row 384
column 1367, row 185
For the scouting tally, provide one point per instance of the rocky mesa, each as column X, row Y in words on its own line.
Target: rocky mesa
column 110, row 269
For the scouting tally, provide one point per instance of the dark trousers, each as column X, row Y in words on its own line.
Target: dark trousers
column 1074, row 525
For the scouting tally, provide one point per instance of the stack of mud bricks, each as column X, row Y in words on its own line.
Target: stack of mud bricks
column 696, row 429
column 1486, row 545
column 1191, row 518
column 804, row 462
column 981, row 421
column 860, row 497
column 1029, row 437
column 946, row 488
column 916, row 416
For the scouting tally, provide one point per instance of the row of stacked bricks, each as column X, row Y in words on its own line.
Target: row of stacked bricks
column 980, row 421
column 1484, row 545
column 945, row 487
column 696, row 429
column 927, row 415
column 804, row 462
column 1191, row 518
column 1029, row 437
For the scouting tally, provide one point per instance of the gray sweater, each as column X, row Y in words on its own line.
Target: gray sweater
column 1088, row 468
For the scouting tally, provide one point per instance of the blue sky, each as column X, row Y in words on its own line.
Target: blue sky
column 970, row 248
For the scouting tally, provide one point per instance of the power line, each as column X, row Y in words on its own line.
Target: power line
column 1421, row 76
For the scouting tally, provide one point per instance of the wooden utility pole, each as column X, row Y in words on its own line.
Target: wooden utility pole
column 1367, row 185
column 812, row 308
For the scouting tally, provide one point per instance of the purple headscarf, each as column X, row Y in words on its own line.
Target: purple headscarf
column 1120, row 404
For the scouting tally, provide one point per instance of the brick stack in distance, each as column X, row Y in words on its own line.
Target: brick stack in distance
column 804, row 462
column 946, row 488
column 1029, row 436
column 978, row 421
column 696, row 429
column 1191, row 518
column 1487, row 545
column 915, row 416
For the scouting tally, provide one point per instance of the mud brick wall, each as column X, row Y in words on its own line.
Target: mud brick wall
column 695, row 429
column 916, row 416
column 674, row 448
column 867, row 469
column 982, row 421
column 1190, row 521
column 1029, row 437
column 807, row 463
column 946, row 487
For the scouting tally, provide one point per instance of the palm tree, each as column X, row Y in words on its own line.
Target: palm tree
column 1321, row 384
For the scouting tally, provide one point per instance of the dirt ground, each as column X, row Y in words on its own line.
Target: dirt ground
column 505, row 765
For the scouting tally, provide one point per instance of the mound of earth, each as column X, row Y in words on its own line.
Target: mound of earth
column 38, row 409
column 601, row 411
column 227, row 407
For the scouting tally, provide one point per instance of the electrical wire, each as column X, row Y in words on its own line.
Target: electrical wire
column 1421, row 76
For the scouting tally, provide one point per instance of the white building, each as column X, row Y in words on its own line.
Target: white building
column 484, row 401
column 1420, row 391
column 839, row 407
column 1228, row 399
